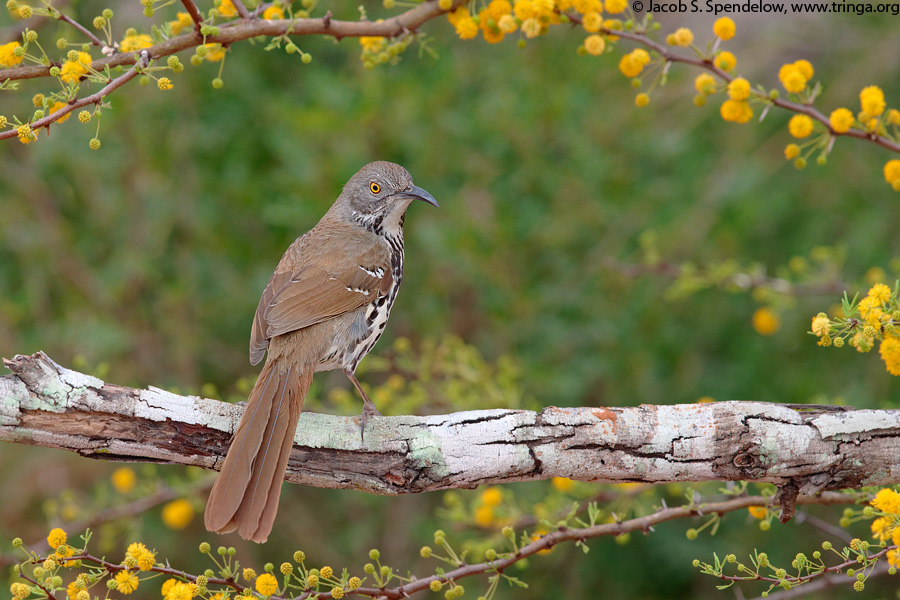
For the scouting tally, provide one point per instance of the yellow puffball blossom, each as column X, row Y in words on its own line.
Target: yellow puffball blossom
column 227, row 9
column 458, row 15
column 758, row 512
column 20, row 590
column 274, row 13
column 126, row 582
column 800, row 126
column 683, row 37
column 765, row 321
column 792, row 78
column 641, row 100
column 371, row 43
column 164, row 83
column 887, row 500
column 871, row 99
column 26, row 133
column 630, row 67
column 491, row 496
column 177, row 514
column 544, row 8
column 266, row 584
column 445, row 4
column 214, row 52
column 724, row 28
column 893, row 117
column 805, row 68
column 739, row 89
column 498, row 8
column 124, row 478
column 705, row 83
column 484, row 516
column 57, row 106
column 492, row 33
column 326, row 572
column 892, row 171
column 137, row 41
column 841, row 120
column 726, row 61
column 467, row 28
column 615, row 7
column 880, row 292
column 72, row 70
column 507, row 24
column 7, row 55
column 531, row 27
column 595, row 45
column 882, row 527
column 56, row 538
column 524, row 9
column 791, row 151
column 736, row 112
column 182, row 21
column 563, row 484
column 180, row 591
column 592, row 22
column 821, row 325
column 890, row 354
column 168, row 585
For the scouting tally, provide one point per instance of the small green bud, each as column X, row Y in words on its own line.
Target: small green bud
column 773, row 94
column 521, row 43
column 369, row 569
column 31, row 36
column 822, row 160
column 507, row 532
column 148, row 11
column 691, row 534
column 385, row 570
column 202, row 580
column 196, row 60
column 435, row 585
column 700, row 100
column 99, row 22
column 54, row 71
column 844, row 522
column 826, row 545
column 286, row 568
column 306, row 58
column 765, row 525
column 38, row 572
column 17, row 542
column 490, row 554
column 204, row 546
column 268, row 567
column 299, row 556
column 201, row 51
column 222, row 550
column 107, row 14
column 111, row 584
column 696, row 562
column 61, row 43
column 209, row 573
column 291, row 48
column 425, row 551
column 72, row 55
column 374, row 554
column 143, row 80
column 800, row 163
column 217, row 83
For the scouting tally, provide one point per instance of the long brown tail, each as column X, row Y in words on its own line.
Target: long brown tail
column 245, row 495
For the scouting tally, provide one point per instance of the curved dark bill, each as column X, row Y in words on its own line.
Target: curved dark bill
column 418, row 193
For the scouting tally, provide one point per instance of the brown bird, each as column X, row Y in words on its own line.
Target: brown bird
column 324, row 308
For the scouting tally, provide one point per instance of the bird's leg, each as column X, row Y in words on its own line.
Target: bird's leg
column 369, row 408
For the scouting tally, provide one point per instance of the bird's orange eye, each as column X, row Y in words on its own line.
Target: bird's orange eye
column 374, row 187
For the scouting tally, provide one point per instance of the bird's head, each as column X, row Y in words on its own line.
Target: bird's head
column 379, row 194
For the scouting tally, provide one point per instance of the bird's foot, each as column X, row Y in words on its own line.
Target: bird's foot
column 369, row 410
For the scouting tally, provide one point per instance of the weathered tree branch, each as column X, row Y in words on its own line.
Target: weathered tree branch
column 802, row 450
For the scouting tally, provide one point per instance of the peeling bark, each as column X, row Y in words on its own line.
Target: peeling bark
column 801, row 449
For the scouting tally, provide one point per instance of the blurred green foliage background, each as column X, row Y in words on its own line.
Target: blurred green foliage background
column 144, row 261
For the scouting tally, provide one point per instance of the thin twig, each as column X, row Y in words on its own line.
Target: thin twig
column 66, row 18
column 195, row 15
column 241, row 9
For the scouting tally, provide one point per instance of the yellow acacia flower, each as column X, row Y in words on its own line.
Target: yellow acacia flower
column 214, row 52
column 736, row 112
column 137, row 41
column 458, row 15
column 880, row 291
column 612, row 25
column 739, row 89
column 642, row 100
column 791, row 151
column 615, row 7
column 726, row 61
column 800, row 126
column 227, row 9
column 705, row 83
column 177, row 514
column 587, row 6
column 58, row 106
column 491, row 496
column 126, row 582
column 683, row 37
column 871, row 99
column 893, row 117
column 181, row 591
column 266, row 584
column 492, row 33
column 792, row 78
column 887, row 500
column 467, row 28
column 73, row 70
column 26, row 133
column 524, row 9
column 724, row 28
column 182, row 21
column 498, row 8
column 56, row 538
column 841, row 120
column 821, row 325
column 168, row 585
column 890, row 354
column 765, row 321
column 124, row 479
column 892, row 172
column 484, row 516
column 595, row 45
column 592, row 22
column 882, row 528
column 531, row 27
column 274, row 13
column 758, row 512
column 164, row 83
column 544, row 8
column 7, row 55
column 371, row 43
column 507, row 24
column 630, row 67
column 563, row 484
column 805, row 68
column 20, row 590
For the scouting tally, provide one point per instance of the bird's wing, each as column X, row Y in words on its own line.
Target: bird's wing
column 315, row 284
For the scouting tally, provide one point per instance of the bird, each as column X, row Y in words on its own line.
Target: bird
column 324, row 308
